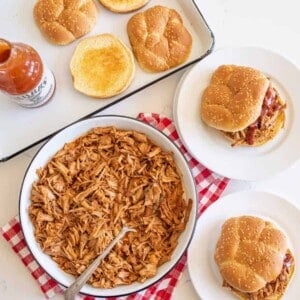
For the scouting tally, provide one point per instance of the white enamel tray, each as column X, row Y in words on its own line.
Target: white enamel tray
column 21, row 128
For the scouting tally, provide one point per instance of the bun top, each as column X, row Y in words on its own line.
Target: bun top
column 234, row 97
column 62, row 22
column 102, row 66
column 250, row 253
column 121, row 6
column 159, row 39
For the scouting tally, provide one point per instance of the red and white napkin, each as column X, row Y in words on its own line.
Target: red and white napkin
column 209, row 188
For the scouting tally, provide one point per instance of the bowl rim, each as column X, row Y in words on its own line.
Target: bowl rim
column 194, row 221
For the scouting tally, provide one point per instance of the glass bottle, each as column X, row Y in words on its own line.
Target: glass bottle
column 23, row 76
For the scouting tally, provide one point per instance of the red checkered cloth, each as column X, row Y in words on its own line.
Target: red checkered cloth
column 209, row 188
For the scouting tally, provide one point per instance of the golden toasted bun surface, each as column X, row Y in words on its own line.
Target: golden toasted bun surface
column 62, row 22
column 122, row 6
column 102, row 66
column 234, row 97
column 250, row 253
column 159, row 39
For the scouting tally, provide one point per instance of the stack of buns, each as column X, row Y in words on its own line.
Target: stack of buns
column 254, row 258
column 102, row 66
column 62, row 22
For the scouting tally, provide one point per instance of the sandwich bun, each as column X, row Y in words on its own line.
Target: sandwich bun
column 159, row 39
column 234, row 97
column 123, row 6
column 242, row 103
column 62, row 22
column 102, row 66
column 250, row 255
column 274, row 296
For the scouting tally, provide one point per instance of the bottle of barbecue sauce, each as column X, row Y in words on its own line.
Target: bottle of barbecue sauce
column 23, row 76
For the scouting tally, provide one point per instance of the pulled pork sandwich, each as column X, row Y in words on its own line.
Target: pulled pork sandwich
column 254, row 259
column 242, row 103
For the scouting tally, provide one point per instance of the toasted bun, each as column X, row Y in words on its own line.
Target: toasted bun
column 123, row 6
column 62, row 22
column 102, row 66
column 234, row 97
column 159, row 39
column 250, row 253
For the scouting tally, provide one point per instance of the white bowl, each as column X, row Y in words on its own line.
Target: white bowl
column 51, row 147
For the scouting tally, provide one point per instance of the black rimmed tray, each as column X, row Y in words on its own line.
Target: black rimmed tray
column 22, row 128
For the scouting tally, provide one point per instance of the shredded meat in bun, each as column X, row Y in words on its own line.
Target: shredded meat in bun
column 254, row 259
column 244, row 105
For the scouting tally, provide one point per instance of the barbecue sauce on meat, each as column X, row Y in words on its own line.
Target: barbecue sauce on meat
column 269, row 107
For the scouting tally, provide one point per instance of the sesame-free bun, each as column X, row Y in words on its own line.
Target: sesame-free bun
column 123, row 6
column 159, row 39
column 250, row 253
column 234, row 97
column 62, row 22
column 102, row 66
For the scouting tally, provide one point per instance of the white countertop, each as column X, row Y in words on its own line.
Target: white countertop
column 270, row 24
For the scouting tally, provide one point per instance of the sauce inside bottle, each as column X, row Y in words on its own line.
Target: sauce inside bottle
column 21, row 68
column 4, row 51
column 23, row 75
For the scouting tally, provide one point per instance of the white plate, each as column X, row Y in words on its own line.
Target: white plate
column 56, row 143
column 208, row 145
column 202, row 268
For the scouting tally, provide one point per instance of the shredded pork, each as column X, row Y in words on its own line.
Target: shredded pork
column 271, row 108
column 95, row 185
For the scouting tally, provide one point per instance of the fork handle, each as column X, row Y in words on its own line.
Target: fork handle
column 75, row 287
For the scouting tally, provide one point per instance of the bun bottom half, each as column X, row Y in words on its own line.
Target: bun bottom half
column 102, row 66
column 262, row 136
column 118, row 6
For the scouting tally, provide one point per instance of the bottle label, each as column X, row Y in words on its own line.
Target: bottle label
column 40, row 94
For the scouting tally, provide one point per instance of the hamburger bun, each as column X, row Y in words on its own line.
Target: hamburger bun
column 277, row 295
column 250, row 254
column 62, row 22
column 102, row 66
column 159, row 39
column 236, row 99
column 123, row 6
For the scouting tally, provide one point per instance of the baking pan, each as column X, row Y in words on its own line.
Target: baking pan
column 22, row 128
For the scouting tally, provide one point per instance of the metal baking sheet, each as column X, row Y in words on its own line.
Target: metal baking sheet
column 22, row 128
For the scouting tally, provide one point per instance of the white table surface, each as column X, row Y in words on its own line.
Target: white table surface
column 270, row 24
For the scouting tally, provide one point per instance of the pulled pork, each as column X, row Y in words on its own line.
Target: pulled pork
column 276, row 286
column 271, row 108
column 101, row 181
